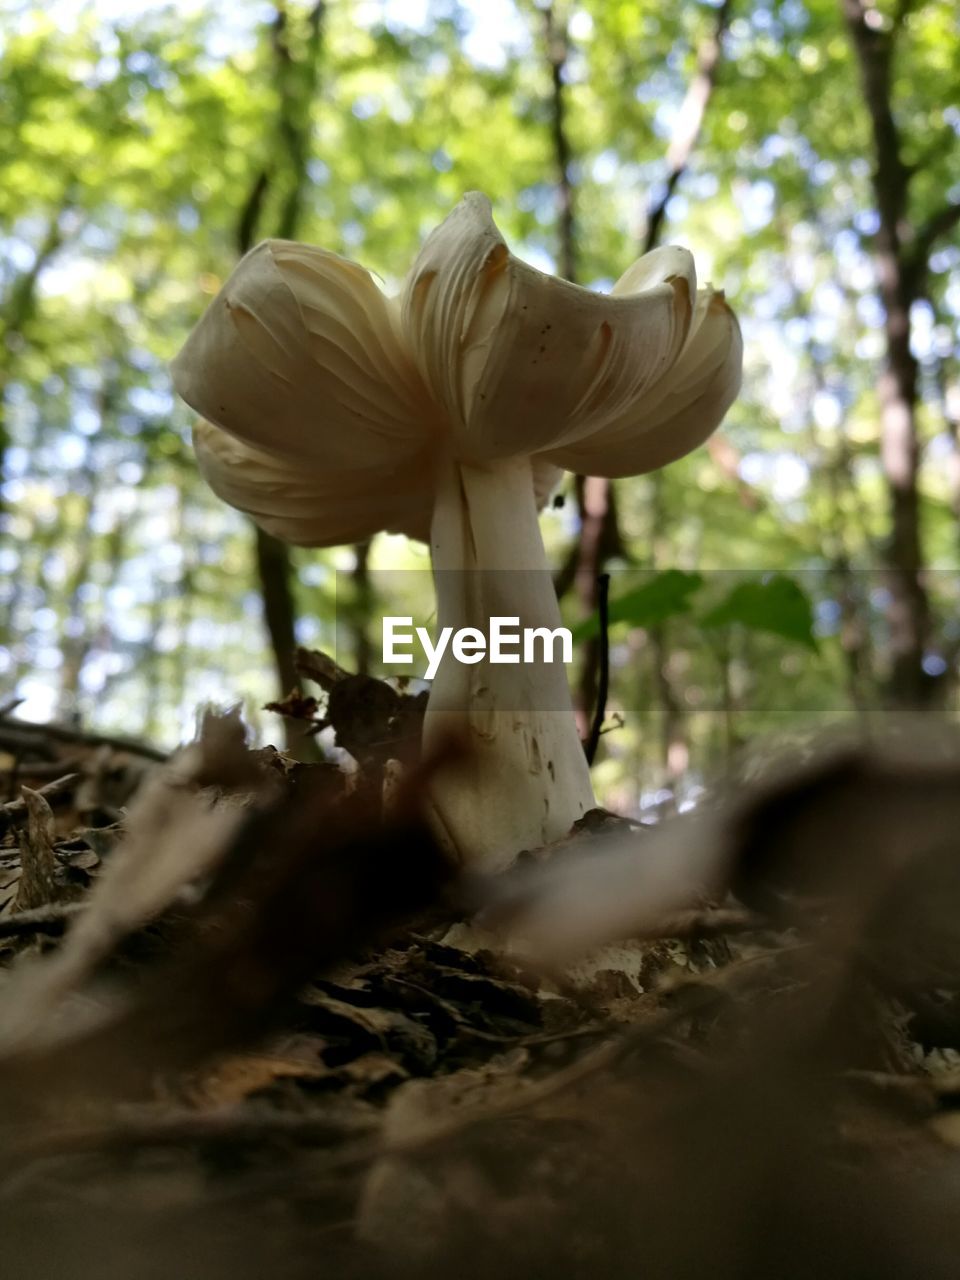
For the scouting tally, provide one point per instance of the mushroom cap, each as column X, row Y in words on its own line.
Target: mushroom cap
column 310, row 507
column 326, row 402
column 524, row 362
column 300, row 354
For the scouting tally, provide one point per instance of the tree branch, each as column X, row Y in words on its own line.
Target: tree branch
column 937, row 225
column 252, row 211
column 901, row 275
column 22, row 294
column 297, row 84
column 689, row 123
column 557, row 47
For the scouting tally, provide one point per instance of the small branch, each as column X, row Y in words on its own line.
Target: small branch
column 22, row 733
column 603, row 684
column 938, row 224
column 557, row 47
column 296, row 81
column 16, row 808
column 689, row 123
column 22, row 296
column 250, row 213
column 50, row 920
column 13, row 809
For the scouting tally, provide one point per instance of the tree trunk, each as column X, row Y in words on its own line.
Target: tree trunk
column 18, row 311
column 362, row 602
column 899, row 278
column 600, row 537
column 557, row 46
column 296, row 80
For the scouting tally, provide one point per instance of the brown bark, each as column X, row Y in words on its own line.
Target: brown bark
column 557, row 46
column 674, row 749
column 900, row 257
column 950, row 411
column 599, row 543
column 362, row 601
column 271, row 557
column 297, row 87
column 296, row 81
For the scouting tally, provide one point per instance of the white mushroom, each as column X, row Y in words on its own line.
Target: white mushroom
column 333, row 412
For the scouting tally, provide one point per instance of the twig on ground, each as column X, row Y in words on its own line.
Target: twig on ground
column 51, row 919
column 21, row 733
column 36, row 769
column 14, row 809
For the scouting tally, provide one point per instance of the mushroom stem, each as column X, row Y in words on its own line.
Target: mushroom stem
column 525, row 779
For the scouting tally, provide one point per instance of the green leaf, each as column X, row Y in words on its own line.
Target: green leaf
column 664, row 596
column 778, row 607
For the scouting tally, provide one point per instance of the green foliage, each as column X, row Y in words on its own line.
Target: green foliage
column 778, row 607
column 666, row 595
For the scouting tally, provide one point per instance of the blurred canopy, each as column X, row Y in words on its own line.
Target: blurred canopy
column 807, row 151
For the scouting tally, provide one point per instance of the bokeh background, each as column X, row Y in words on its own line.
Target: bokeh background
column 800, row 568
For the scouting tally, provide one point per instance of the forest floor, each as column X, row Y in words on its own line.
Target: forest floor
column 250, row 1026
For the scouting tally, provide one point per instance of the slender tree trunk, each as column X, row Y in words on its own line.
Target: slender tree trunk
column 362, row 601
column 599, row 543
column 674, row 748
column 600, row 537
column 899, row 280
column 948, row 393
column 556, row 39
column 76, row 642
column 679, row 154
column 272, row 559
column 947, row 382
column 18, row 311
column 296, row 82
column 581, row 571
